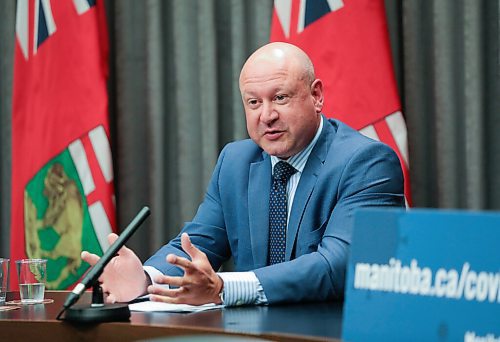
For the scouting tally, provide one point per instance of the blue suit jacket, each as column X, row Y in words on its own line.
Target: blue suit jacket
column 344, row 172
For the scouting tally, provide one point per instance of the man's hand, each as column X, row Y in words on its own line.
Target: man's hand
column 199, row 285
column 123, row 278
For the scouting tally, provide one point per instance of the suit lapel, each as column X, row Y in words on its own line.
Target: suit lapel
column 259, row 185
column 306, row 185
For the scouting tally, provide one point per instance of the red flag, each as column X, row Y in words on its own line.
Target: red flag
column 348, row 43
column 62, row 175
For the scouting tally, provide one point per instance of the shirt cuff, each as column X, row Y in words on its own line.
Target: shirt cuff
column 242, row 288
column 153, row 273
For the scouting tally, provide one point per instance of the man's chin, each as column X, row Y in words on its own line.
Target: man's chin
column 277, row 152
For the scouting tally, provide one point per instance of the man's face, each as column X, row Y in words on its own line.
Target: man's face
column 282, row 110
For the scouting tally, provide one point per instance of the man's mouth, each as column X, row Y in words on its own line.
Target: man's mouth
column 273, row 135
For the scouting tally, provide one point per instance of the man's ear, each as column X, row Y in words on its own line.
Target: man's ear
column 317, row 94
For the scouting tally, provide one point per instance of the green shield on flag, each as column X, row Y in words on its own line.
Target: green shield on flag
column 57, row 221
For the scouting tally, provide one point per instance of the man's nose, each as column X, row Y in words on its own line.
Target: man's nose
column 269, row 114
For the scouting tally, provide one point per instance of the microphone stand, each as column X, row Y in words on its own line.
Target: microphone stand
column 97, row 311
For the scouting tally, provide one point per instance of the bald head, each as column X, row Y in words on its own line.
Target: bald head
column 281, row 55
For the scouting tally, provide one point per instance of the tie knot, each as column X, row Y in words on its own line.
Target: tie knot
column 283, row 171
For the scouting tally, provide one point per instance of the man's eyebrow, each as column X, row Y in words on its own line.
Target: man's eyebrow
column 279, row 89
column 248, row 93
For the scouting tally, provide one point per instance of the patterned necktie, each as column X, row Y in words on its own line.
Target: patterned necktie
column 278, row 212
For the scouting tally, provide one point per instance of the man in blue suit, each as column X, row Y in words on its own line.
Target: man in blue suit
column 289, row 242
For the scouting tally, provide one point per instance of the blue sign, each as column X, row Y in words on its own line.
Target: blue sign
column 423, row 275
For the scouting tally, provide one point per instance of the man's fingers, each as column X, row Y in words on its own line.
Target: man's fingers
column 164, row 299
column 166, row 295
column 90, row 258
column 174, row 281
column 112, row 237
column 111, row 299
column 179, row 261
column 155, row 290
column 104, row 288
column 188, row 247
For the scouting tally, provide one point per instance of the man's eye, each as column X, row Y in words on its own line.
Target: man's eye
column 252, row 102
column 280, row 98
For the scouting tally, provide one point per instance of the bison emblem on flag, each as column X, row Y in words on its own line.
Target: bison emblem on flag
column 59, row 215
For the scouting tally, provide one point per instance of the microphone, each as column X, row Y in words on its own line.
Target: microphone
column 92, row 276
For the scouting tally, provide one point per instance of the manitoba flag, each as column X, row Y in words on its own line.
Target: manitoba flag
column 62, row 175
column 348, row 43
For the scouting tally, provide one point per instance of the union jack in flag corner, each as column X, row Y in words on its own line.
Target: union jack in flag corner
column 347, row 41
column 62, row 174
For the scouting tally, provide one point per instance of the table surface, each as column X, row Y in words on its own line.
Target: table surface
column 299, row 322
